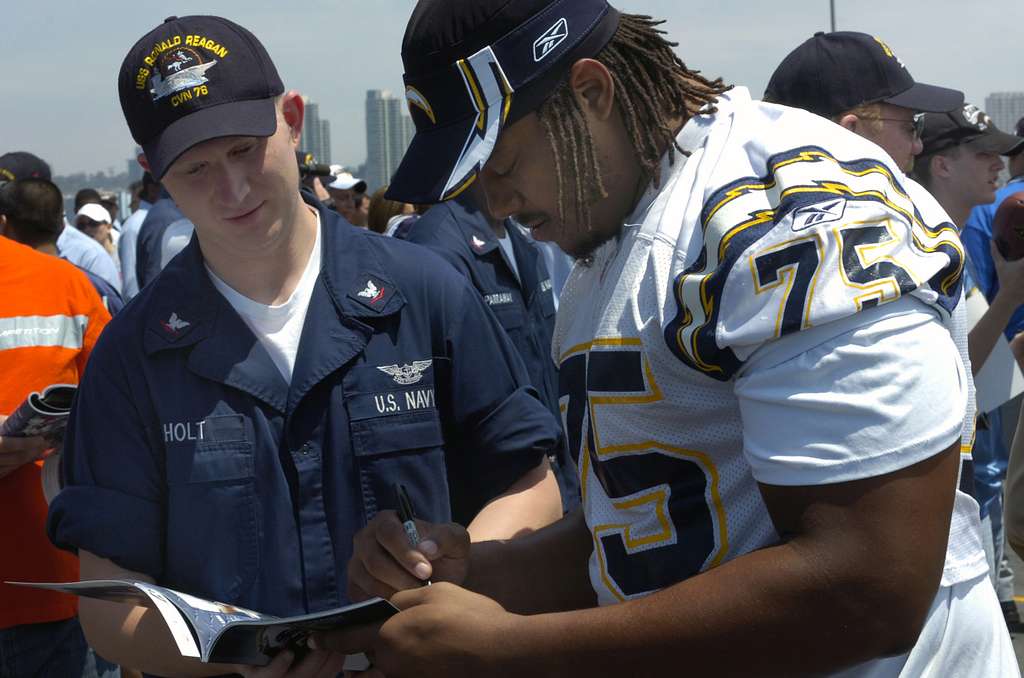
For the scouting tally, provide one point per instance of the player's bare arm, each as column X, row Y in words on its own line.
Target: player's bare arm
column 852, row 580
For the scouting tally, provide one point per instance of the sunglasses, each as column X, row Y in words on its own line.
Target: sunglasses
column 916, row 126
column 86, row 222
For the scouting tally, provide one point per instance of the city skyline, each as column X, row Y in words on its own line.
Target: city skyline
column 316, row 133
column 335, row 50
column 389, row 130
column 1005, row 109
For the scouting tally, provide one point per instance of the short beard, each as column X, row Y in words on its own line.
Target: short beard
column 591, row 240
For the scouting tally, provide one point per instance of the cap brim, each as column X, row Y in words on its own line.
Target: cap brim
column 358, row 184
column 928, row 98
column 429, row 161
column 996, row 141
column 251, row 118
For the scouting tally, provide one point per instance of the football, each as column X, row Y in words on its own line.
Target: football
column 1008, row 227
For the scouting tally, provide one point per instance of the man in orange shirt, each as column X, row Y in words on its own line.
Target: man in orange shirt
column 50, row 318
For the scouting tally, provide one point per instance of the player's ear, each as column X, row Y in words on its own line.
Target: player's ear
column 293, row 110
column 143, row 162
column 593, row 87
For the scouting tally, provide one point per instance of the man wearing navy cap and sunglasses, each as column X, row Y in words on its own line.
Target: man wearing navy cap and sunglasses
column 761, row 366
column 857, row 81
column 278, row 377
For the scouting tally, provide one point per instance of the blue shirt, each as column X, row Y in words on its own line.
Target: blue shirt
column 976, row 236
column 559, row 265
column 126, row 248
column 149, row 242
column 524, row 304
column 189, row 458
column 110, row 297
column 86, row 253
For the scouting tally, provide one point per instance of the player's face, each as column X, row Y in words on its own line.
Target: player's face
column 895, row 134
column 975, row 174
column 239, row 192
column 520, row 180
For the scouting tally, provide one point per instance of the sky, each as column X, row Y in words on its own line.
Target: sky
column 61, row 59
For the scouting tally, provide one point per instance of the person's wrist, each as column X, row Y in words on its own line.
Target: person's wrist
column 511, row 645
column 1003, row 303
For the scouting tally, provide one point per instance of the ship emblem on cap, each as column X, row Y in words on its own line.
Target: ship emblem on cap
column 177, row 70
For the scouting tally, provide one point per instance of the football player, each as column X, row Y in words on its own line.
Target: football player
column 762, row 376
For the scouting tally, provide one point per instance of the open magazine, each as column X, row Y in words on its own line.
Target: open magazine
column 219, row 633
column 42, row 414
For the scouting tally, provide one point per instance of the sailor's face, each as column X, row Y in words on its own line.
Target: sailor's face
column 237, row 191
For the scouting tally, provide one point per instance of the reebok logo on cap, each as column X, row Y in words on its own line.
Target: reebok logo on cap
column 551, row 39
column 474, row 67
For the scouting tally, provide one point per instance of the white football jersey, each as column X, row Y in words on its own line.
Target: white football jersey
column 699, row 352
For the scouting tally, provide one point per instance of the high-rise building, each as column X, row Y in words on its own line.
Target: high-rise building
column 316, row 133
column 389, row 131
column 134, row 168
column 1005, row 109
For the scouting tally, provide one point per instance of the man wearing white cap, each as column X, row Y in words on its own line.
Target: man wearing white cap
column 94, row 220
column 349, row 196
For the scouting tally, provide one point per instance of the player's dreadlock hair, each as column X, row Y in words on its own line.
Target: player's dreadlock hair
column 653, row 87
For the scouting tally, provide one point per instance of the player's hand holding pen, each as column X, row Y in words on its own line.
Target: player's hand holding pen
column 386, row 558
column 397, row 556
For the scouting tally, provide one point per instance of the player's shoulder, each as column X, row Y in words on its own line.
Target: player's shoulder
column 799, row 223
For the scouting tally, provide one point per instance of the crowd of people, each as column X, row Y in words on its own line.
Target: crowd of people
column 677, row 380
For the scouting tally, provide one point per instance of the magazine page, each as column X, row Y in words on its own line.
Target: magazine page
column 209, row 618
column 42, row 414
column 132, row 592
column 257, row 641
column 222, row 633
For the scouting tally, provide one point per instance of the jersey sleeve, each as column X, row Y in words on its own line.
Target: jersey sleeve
column 866, row 396
column 798, row 237
column 111, row 502
column 500, row 426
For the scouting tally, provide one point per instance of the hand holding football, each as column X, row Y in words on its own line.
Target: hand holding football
column 1008, row 227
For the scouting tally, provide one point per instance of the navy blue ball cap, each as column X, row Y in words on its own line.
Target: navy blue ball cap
column 196, row 78
column 966, row 126
column 22, row 165
column 473, row 67
column 831, row 73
